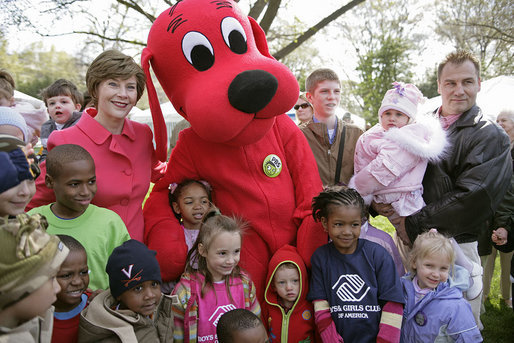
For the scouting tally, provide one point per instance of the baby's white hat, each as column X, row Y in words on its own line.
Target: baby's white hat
column 9, row 116
column 403, row 97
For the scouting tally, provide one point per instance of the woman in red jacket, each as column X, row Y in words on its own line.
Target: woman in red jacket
column 122, row 149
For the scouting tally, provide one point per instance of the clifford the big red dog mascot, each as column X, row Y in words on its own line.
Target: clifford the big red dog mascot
column 214, row 65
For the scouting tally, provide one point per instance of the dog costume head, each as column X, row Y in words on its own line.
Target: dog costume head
column 214, row 65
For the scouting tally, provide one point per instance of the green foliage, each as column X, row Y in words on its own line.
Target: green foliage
column 302, row 61
column 429, row 84
column 382, row 35
column 35, row 68
column 483, row 27
column 379, row 68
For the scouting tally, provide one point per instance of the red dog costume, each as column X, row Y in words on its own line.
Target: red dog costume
column 214, row 65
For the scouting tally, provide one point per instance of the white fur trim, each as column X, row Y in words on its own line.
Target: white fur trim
column 410, row 138
column 351, row 183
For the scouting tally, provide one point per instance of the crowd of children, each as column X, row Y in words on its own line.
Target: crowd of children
column 70, row 272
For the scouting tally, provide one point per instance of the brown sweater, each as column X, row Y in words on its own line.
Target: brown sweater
column 326, row 153
column 100, row 323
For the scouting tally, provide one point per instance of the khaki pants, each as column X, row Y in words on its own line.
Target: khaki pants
column 488, row 263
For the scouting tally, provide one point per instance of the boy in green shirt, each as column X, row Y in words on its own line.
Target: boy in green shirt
column 71, row 175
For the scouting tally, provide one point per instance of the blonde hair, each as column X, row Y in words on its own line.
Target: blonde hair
column 213, row 223
column 304, row 98
column 430, row 243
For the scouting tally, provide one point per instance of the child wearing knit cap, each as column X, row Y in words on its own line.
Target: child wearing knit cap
column 133, row 309
column 29, row 261
column 13, row 124
column 391, row 157
column 17, row 185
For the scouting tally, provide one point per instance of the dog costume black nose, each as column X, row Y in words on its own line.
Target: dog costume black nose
column 252, row 90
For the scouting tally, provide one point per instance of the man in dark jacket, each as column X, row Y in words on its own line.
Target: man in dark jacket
column 463, row 190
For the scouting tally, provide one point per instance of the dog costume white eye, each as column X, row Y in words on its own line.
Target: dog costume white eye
column 234, row 35
column 198, row 50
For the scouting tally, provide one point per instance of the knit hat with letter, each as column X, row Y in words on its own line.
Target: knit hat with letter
column 131, row 264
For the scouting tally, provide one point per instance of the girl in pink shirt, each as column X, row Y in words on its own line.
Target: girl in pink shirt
column 216, row 285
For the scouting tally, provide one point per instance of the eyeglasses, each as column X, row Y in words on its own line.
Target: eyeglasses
column 304, row 106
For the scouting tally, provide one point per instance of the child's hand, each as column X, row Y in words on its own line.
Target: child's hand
column 385, row 210
column 499, row 236
column 93, row 294
column 29, row 152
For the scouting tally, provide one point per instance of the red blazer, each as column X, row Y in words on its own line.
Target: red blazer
column 125, row 165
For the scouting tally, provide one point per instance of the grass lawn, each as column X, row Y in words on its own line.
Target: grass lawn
column 498, row 319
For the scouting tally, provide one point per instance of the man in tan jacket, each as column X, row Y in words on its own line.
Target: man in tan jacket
column 331, row 139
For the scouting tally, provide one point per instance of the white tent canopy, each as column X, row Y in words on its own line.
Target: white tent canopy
column 495, row 94
column 171, row 117
column 19, row 96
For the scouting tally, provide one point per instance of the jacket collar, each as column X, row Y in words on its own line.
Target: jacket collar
column 469, row 118
column 98, row 133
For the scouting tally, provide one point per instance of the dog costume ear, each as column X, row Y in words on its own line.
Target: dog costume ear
column 159, row 126
column 260, row 38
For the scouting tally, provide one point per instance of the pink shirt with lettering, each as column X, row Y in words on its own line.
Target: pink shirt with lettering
column 213, row 305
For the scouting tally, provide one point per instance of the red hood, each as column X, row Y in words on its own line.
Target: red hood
column 285, row 254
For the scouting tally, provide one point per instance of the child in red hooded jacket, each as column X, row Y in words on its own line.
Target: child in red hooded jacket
column 287, row 314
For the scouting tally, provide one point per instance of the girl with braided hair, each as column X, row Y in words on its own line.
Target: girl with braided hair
column 356, row 291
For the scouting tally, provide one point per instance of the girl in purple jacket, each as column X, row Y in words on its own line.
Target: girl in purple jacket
column 435, row 311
